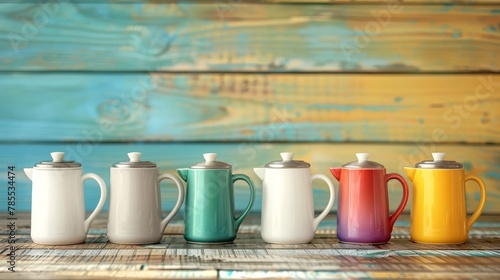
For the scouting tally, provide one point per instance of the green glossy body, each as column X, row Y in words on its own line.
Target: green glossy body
column 209, row 206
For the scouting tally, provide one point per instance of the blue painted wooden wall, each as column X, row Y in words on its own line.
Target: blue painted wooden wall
column 323, row 79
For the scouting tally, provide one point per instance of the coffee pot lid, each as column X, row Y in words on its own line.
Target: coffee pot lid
column 211, row 163
column 363, row 162
column 135, row 162
column 58, row 162
column 438, row 162
column 287, row 162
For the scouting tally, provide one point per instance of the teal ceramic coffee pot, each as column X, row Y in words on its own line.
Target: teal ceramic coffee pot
column 209, row 207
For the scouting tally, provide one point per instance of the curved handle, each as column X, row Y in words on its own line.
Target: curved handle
column 482, row 201
column 329, row 206
column 247, row 179
column 404, row 199
column 101, row 202
column 178, row 204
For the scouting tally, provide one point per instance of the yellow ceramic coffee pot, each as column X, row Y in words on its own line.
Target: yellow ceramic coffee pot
column 439, row 211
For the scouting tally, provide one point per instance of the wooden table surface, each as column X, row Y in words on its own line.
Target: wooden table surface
column 250, row 257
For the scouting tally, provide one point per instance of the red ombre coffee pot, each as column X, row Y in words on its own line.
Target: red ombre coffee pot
column 363, row 202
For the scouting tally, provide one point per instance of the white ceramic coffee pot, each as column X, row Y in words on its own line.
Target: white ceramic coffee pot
column 58, row 203
column 135, row 214
column 287, row 201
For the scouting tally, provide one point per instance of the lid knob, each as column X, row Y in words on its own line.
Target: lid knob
column 135, row 162
column 210, row 163
column 438, row 156
column 58, row 162
column 57, row 156
column 287, row 162
column 134, row 156
column 362, row 156
column 210, row 157
column 438, row 162
column 286, row 156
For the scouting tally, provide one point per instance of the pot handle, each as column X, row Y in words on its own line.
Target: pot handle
column 404, row 199
column 178, row 204
column 247, row 179
column 329, row 206
column 101, row 202
column 482, row 200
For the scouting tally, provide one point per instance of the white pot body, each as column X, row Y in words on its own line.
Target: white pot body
column 288, row 206
column 58, row 206
column 135, row 205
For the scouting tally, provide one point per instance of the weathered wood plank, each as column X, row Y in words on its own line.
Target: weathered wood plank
column 404, row 2
column 480, row 160
column 250, row 258
column 230, row 3
column 250, row 107
column 248, row 37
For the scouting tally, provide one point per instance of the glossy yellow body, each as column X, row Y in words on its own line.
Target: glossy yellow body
column 439, row 209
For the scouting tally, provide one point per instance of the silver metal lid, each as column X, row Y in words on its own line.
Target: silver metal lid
column 287, row 162
column 363, row 162
column 210, row 163
column 439, row 163
column 135, row 162
column 58, row 162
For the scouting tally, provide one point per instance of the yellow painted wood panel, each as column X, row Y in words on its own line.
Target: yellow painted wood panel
column 250, row 107
column 97, row 157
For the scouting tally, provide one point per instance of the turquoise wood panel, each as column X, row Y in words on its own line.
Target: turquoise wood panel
column 249, row 107
column 98, row 158
column 207, row 36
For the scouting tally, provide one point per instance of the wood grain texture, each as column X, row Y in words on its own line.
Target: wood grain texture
column 404, row 2
column 218, row 36
column 250, row 107
column 250, row 258
column 480, row 160
column 237, row 2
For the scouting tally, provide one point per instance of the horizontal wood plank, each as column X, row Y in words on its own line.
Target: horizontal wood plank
column 403, row 2
column 251, row 258
column 237, row 2
column 236, row 36
column 480, row 160
column 250, row 107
